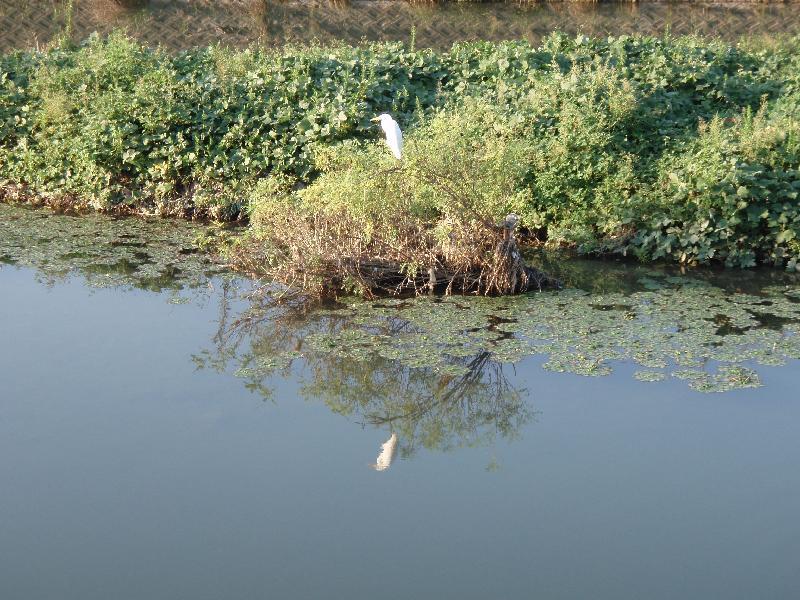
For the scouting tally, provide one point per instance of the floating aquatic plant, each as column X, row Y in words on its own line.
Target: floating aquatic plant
column 709, row 330
column 432, row 369
column 154, row 254
column 691, row 329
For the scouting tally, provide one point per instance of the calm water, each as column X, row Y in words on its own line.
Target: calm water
column 153, row 447
column 182, row 23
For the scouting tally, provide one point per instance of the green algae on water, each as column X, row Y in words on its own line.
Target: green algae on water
column 106, row 251
column 709, row 330
column 671, row 327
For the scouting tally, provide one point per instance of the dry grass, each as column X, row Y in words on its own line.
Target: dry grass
column 321, row 249
column 261, row 5
column 323, row 255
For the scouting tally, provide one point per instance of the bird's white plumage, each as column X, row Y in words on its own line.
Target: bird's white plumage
column 394, row 137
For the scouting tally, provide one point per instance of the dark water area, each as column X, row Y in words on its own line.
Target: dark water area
column 178, row 24
column 182, row 440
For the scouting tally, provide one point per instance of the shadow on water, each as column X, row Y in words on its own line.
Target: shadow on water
column 184, row 23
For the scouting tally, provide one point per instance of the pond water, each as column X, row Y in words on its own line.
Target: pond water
column 166, row 434
column 178, row 24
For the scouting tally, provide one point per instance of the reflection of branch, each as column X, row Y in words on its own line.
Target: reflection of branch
column 284, row 319
column 420, row 404
column 455, row 393
column 462, row 407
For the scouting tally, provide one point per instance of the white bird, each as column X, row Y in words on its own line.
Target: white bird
column 394, row 137
column 386, row 456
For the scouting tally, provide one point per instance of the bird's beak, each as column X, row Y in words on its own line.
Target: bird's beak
column 375, row 119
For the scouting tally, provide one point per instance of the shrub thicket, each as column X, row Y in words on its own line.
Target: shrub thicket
column 682, row 149
column 429, row 222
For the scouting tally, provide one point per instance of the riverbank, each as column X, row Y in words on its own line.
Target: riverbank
column 667, row 149
column 239, row 23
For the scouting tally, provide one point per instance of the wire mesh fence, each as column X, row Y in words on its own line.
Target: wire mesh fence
column 178, row 24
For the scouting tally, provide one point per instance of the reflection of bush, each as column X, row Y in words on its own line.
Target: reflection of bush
column 461, row 401
column 422, row 406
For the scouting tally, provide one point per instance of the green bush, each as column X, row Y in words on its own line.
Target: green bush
column 680, row 149
column 465, row 158
column 731, row 194
column 370, row 222
column 112, row 122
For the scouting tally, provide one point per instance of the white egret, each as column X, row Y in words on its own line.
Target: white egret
column 394, row 137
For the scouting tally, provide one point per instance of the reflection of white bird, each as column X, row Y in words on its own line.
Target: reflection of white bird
column 386, row 456
column 394, row 137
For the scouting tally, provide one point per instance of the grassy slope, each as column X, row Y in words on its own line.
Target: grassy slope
column 685, row 149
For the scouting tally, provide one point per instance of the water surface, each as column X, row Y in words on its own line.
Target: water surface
column 182, row 441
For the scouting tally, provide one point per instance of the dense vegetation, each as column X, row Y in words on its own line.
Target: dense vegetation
column 678, row 149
